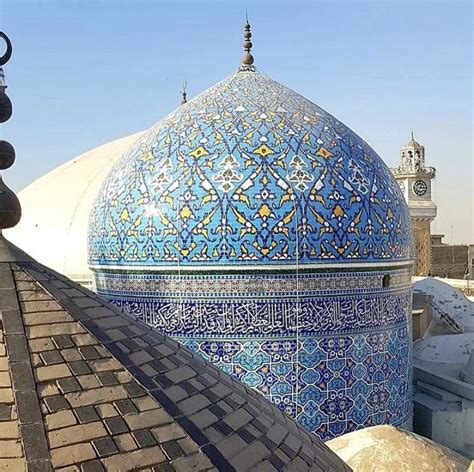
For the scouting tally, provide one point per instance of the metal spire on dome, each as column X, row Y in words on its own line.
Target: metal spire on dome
column 10, row 209
column 413, row 142
column 184, row 94
column 247, row 58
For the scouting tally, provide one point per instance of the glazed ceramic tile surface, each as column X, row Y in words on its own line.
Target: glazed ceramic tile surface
column 248, row 173
column 261, row 232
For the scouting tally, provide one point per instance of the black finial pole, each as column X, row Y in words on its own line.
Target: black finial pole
column 10, row 209
column 184, row 94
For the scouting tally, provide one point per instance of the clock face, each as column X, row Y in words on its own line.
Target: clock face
column 420, row 187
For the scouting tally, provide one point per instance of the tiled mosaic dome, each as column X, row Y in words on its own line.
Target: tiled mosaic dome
column 249, row 172
column 261, row 232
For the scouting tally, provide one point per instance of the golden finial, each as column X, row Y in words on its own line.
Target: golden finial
column 247, row 58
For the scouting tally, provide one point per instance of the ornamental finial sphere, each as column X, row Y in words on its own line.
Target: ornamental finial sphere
column 184, row 95
column 6, row 108
column 10, row 209
column 247, row 58
column 7, row 155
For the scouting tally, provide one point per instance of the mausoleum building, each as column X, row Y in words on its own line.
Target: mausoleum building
column 261, row 232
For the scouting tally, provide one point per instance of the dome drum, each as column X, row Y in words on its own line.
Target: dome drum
column 330, row 349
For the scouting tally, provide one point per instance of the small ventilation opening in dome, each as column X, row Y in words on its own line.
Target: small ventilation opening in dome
column 386, row 281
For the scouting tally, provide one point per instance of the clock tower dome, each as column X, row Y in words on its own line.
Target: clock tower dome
column 414, row 178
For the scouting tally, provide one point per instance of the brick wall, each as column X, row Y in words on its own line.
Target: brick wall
column 449, row 261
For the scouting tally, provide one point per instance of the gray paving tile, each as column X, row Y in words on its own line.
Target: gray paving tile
column 86, row 414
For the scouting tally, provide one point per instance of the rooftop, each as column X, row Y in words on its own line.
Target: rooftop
column 86, row 386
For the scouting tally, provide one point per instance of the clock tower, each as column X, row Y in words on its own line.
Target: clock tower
column 414, row 178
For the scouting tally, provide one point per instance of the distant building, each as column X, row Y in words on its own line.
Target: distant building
column 49, row 236
column 414, row 179
column 451, row 261
column 470, row 260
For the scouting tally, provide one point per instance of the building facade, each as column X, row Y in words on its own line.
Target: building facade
column 415, row 178
column 449, row 260
column 470, row 263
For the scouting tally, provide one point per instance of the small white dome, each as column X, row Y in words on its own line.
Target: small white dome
column 448, row 299
column 55, row 209
column 445, row 349
column 388, row 449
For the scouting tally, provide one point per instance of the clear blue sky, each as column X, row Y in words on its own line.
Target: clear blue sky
column 86, row 72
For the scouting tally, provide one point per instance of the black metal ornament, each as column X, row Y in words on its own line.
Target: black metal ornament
column 8, row 53
column 7, row 155
column 6, row 108
column 10, row 208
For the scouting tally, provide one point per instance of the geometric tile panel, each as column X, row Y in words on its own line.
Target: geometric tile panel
column 336, row 357
column 332, row 385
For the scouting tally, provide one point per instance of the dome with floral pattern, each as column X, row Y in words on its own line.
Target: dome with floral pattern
column 258, row 230
column 249, row 172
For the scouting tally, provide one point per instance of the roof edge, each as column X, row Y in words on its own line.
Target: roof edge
column 10, row 253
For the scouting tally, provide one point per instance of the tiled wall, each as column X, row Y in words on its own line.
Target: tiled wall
column 331, row 349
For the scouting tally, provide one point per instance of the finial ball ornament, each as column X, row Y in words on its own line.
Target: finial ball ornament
column 6, row 108
column 247, row 59
column 10, row 209
column 7, row 155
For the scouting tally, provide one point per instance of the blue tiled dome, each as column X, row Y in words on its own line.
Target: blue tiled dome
column 257, row 229
column 249, row 172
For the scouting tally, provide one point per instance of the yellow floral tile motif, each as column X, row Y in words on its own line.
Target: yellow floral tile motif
column 239, row 225
column 249, row 172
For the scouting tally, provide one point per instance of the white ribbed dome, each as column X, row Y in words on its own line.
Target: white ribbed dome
column 56, row 207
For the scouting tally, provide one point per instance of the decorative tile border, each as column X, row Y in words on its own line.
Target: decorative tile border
column 267, row 318
column 205, row 285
